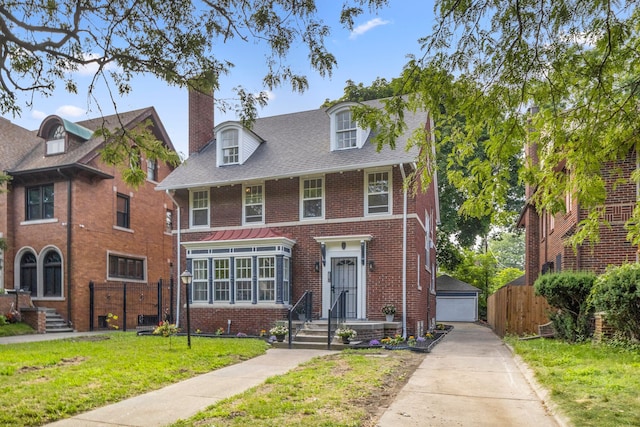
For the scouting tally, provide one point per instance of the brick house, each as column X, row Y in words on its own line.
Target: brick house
column 301, row 202
column 69, row 219
column 546, row 235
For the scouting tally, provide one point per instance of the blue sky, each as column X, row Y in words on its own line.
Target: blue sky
column 378, row 47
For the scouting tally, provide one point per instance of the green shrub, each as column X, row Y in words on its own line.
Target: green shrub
column 3, row 320
column 567, row 292
column 617, row 293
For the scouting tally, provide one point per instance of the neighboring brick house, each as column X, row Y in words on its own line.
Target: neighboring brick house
column 546, row 235
column 69, row 219
column 301, row 202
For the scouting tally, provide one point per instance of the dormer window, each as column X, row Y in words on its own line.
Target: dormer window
column 346, row 132
column 230, row 147
column 55, row 140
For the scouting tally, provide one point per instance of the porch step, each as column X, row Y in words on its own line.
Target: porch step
column 55, row 322
column 313, row 335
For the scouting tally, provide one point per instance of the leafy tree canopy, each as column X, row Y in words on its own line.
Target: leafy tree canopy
column 489, row 63
column 42, row 44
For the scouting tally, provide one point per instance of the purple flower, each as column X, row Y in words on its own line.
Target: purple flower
column 241, row 334
column 421, row 339
column 374, row 342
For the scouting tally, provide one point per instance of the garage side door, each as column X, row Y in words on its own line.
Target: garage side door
column 456, row 309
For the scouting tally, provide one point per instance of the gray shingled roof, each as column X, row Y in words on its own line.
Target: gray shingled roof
column 15, row 143
column 446, row 283
column 36, row 159
column 296, row 144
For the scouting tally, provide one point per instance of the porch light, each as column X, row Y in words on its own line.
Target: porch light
column 186, row 278
column 372, row 265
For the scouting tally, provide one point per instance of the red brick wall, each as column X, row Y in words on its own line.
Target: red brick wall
column 613, row 247
column 344, row 199
column 93, row 235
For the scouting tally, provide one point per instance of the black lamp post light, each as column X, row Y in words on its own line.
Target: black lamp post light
column 186, row 279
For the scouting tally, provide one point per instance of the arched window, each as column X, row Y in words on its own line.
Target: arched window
column 28, row 273
column 55, row 140
column 52, row 274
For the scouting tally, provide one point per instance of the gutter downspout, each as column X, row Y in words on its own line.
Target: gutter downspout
column 69, row 283
column 404, row 254
column 178, row 265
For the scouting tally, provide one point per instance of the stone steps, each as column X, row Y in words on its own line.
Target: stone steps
column 55, row 323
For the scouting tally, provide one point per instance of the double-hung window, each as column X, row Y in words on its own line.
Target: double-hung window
column 244, row 273
column 253, row 204
column 312, row 198
column 230, row 147
column 39, row 202
column 122, row 211
column 200, row 283
column 152, row 170
column 200, row 208
column 221, row 279
column 267, row 279
column 377, row 193
column 346, row 131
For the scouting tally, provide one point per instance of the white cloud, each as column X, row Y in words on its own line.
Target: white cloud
column 369, row 25
column 38, row 115
column 70, row 111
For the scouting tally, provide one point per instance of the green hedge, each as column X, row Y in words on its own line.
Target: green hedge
column 617, row 293
column 568, row 292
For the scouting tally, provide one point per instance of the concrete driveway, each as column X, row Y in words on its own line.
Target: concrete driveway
column 469, row 379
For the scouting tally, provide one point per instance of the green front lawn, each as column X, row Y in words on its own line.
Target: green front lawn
column 45, row 381
column 12, row 329
column 593, row 385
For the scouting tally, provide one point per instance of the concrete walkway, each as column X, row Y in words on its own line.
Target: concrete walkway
column 187, row 398
column 469, row 379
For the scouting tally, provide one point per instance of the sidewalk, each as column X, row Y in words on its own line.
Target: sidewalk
column 187, row 398
column 471, row 378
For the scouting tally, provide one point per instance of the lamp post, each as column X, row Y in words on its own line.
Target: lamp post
column 186, row 279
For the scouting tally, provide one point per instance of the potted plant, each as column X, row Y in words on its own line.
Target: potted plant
column 346, row 333
column 279, row 331
column 389, row 310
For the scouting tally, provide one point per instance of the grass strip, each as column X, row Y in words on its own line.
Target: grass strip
column 42, row 382
column 592, row 384
column 351, row 388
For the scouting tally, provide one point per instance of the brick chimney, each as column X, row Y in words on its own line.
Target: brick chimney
column 200, row 119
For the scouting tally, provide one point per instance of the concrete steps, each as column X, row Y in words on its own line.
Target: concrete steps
column 313, row 335
column 55, row 323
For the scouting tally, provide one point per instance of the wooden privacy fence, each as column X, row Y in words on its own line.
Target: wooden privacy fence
column 516, row 310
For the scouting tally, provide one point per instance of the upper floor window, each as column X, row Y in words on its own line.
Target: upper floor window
column 312, row 198
column 152, row 170
column 55, row 140
column 168, row 221
column 427, row 241
column 230, row 147
column 39, row 203
column 253, row 204
column 122, row 211
column 199, row 208
column 377, row 187
column 346, row 131
column 124, row 267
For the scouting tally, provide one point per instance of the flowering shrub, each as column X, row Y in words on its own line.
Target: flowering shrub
column 346, row 332
column 411, row 341
column 111, row 319
column 279, row 330
column 241, row 335
column 429, row 335
column 389, row 309
column 166, row 329
column 374, row 342
column 219, row 331
column 396, row 340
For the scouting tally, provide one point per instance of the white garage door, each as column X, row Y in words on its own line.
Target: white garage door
column 456, row 309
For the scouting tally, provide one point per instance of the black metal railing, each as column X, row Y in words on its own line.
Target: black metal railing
column 301, row 310
column 337, row 315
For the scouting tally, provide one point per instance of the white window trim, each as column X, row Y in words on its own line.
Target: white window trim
column 220, row 149
column 227, row 280
column 195, row 280
column 208, row 208
column 243, row 279
column 244, row 204
column 274, row 279
column 367, row 172
column 361, row 134
column 302, row 199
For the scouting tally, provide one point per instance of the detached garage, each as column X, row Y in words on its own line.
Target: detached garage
column 456, row 301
